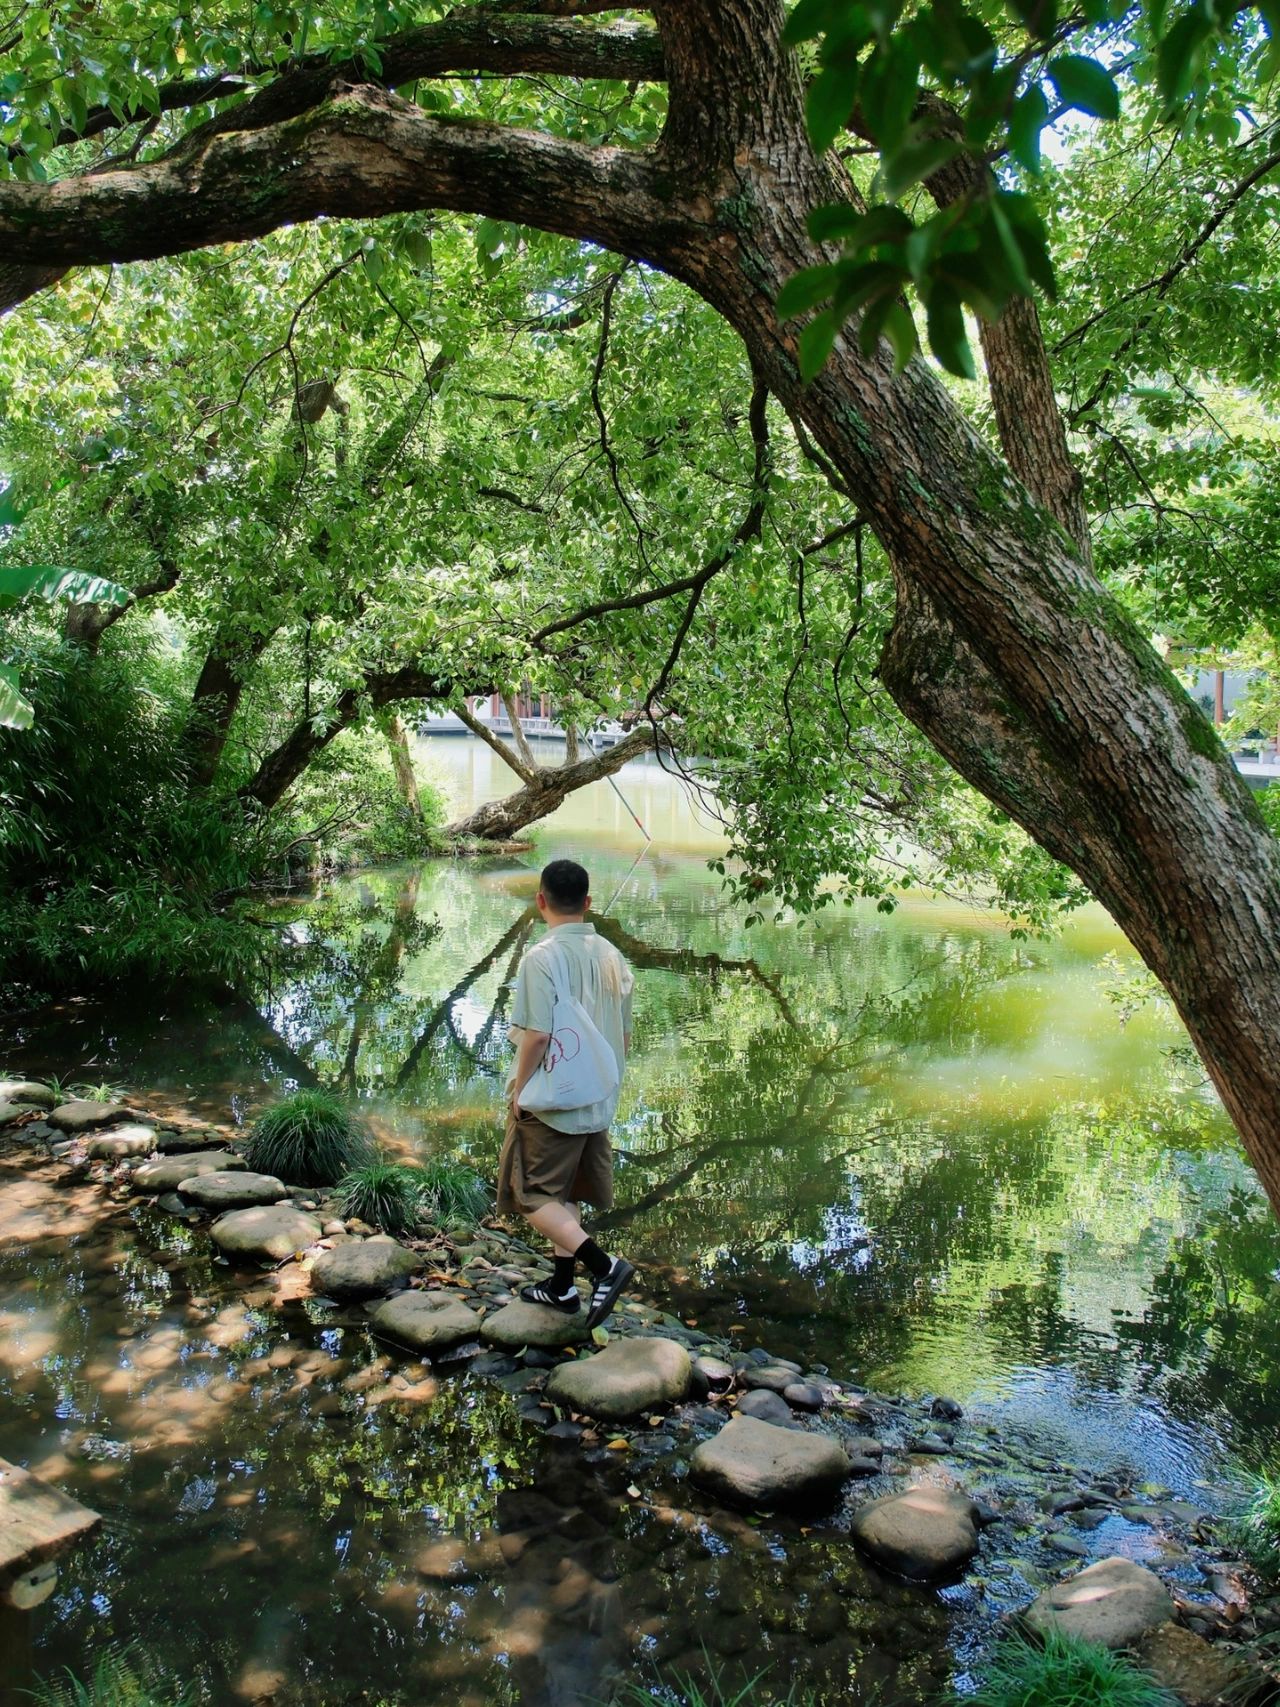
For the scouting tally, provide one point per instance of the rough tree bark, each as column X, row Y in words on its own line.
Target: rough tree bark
column 1005, row 650
column 402, row 762
column 216, row 700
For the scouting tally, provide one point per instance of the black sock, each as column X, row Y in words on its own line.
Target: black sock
column 594, row 1260
column 561, row 1280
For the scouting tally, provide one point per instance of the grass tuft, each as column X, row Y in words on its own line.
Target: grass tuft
column 1065, row 1672
column 308, row 1139
column 98, row 1093
column 1256, row 1532
column 454, row 1193
column 385, row 1195
column 680, row 1690
column 118, row 1680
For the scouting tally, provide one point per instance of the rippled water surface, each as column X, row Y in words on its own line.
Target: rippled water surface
column 905, row 1146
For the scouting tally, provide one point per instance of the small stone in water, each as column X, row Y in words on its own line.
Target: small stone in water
column 948, row 1410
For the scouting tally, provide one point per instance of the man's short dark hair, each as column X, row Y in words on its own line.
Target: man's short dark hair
column 565, row 885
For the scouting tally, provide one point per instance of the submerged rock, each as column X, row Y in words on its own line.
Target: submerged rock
column 123, row 1141
column 363, row 1268
column 269, row 1234
column 1114, row 1602
column 924, row 1533
column 759, row 1464
column 168, row 1174
column 520, row 1324
column 30, row 1091
column 626, row 1378
column 231, row 1188
column 427, row 1321
column 1200, row 1673
column 81, row 1114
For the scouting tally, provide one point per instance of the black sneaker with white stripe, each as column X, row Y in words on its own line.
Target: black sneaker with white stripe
column 605, row 1291
column 568, row 1303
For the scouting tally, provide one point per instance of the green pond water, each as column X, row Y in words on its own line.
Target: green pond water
column 906, row 1147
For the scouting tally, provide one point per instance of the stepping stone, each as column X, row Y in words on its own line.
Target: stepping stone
column 173, row 1143
column 123, row 1141
column 1205, row 1673
column 38, row 1522
column 925, row 1533
column 269, row 1234
column 804, row 1396
column 774, row 1377
column 13, row 1111
column 1114, row 1602
column 363, row 1268
column 82, row 1114
column 758, row 1464
column 30, row 1091
column 231, row 1188
column 167, row 1175
column 625, row 1379
column 768, row 1407
column 719, row 1375
column 520, row 1324
column 427, row 1321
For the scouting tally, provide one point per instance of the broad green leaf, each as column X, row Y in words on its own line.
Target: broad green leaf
column 1028, row 118
column 1083, row 83
column 810, row 18
column 890, row 86
column 913, row 162
column 947, row 337
column 889, row 318
column 816, row 343
column 41, row 581
column 806, row 289
column 1178, row 56
column 830, row 101
column 16, row 711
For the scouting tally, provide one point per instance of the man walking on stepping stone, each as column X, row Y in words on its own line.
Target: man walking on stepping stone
column 549, row 1165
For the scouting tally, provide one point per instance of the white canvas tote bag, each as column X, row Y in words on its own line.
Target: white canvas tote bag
column 579, row 1067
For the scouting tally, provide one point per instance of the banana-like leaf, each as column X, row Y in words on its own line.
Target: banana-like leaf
column 16, row 711
column 46, row 581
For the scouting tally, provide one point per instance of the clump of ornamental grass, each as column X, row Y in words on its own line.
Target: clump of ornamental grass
column 118, row 1679
column 1256, row 1531
column 99, row 1093
column 1063, row 1671
column 680, row 1690
column 308, row 1139
column 385, row 1194
column 453, row 1193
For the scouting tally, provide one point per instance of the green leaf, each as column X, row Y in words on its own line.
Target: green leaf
column 41, row 581
column 914, row 161
column 830, row 100
column 1178, row 56
column 816, row 343
column 417, row 246
column 806, row 289
column 810, row 18
column 1028, row 118
column 890, row 85
column 889, row 318
column 1085, row 84
column 882, row 224
column 947, row 337
column 16, row 712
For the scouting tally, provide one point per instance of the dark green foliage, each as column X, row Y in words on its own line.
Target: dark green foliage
column 308, row 1139
column 110, row 865
column 119, row 1679
column 386, row 1195
column 454, row 1192
column 1256, row 1532
column 1064, row 1672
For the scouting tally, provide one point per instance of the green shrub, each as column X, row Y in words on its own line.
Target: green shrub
column 118, row 1680
column 1064, row 1672
column 453, row 1192
column 385, row 1195
column 308, row 1139
column 351, row 788
column 1256, row 1532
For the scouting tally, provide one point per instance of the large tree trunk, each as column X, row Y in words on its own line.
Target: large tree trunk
column 402, row 763
column 548, row 788
column 1005, row 650
column 218, row 691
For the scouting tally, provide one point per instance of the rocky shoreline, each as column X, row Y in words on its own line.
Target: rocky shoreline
column 926, row 1494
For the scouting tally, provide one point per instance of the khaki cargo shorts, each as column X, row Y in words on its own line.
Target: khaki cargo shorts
column 539, row 1165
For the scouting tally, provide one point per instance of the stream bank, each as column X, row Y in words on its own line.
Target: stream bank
column 338, row 1495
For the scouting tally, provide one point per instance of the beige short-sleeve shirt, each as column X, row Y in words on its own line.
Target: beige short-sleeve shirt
column 602, row 981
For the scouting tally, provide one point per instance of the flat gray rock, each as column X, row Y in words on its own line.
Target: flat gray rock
column 123, row 1141
column 626, row 1379
column 11, row 1111
column 173, row 1143
column 773, row 1377
column 520, row 1324
column 759, row 1464
column 1114, row 1602
column 231, row 1188
column 924, row 1533
column 269, row 1234
column 29, row 1091
column 427, row 1321
column 167, row 1175
column 719, row 1374
column 81, row 1115
column 362, row 1268
column 766, row 1407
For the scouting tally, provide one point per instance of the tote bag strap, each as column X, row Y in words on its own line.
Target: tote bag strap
column 560, row 973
